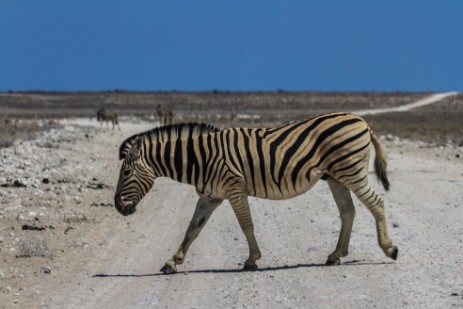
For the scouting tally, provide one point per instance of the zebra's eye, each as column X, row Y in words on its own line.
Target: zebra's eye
column 126, row 172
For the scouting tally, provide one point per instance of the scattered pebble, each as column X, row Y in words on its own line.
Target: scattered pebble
column 46, row 269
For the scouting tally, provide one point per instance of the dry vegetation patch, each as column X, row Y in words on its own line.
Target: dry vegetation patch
column 439, row 124
column 9, row 132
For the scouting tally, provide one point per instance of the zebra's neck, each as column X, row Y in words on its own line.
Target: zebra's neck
column 172, row 152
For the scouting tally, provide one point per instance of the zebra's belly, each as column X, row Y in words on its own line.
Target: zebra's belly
column 286, row 189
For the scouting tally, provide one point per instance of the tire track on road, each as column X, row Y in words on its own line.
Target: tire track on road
column 425, row 101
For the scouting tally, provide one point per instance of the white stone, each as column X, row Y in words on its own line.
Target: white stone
column 46, row 269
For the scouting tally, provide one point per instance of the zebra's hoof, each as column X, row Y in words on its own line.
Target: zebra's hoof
column 395, row 253
column 169, row 269
column 250, row 267
column 332, row 261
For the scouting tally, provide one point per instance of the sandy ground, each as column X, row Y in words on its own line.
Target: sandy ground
column 89, row 256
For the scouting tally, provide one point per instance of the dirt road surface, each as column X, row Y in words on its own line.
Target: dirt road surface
column 109, row 261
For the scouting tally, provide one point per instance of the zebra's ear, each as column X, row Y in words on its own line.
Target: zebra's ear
column 127, row 147
column 135, row 150
column 124, row 149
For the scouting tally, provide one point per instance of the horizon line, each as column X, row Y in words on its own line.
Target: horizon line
column 120, row 90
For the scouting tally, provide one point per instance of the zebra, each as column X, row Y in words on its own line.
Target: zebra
column 165, row 114
column 271, row 163
column 107, row 116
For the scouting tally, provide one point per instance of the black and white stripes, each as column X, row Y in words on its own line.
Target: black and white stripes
column 272, row 163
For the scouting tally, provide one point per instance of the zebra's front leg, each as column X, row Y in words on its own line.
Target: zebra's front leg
column 204, row 209
column 346, row 208
column 239, row 203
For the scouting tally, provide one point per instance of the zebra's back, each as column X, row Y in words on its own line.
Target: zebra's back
column 285, row 161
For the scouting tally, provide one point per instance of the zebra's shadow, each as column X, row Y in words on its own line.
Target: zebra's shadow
column 224, row 271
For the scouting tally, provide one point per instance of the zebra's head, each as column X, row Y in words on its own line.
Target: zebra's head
column 136, row 177
column 99, row 114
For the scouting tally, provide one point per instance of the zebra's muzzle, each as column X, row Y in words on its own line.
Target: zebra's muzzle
column 124, row 208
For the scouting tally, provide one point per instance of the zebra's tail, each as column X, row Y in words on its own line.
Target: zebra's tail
column 380, row 162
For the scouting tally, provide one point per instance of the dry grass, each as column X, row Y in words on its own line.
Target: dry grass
column 23, row 130
column 440, row 123
column 279, row 104
column 439, row 128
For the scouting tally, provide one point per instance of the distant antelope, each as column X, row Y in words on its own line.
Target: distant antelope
column 9, row 121
column 105, row 115
column 53, row 122
column 166, row 115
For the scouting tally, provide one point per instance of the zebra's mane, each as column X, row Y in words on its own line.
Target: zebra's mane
column 181, row 130
column 165, row 133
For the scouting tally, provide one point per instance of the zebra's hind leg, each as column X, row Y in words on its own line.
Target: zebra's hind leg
column 375, row 205
column 204, row 209
column 346, row 208
column 239, row 203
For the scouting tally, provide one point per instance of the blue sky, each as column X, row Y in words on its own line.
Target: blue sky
column 231, row 45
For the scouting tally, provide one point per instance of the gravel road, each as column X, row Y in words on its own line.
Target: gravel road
column 109, row 261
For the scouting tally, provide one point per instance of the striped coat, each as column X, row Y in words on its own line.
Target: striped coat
column 272, row 163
